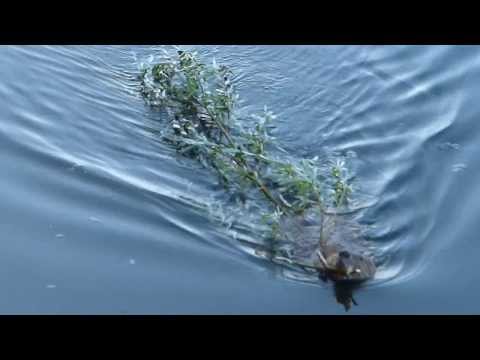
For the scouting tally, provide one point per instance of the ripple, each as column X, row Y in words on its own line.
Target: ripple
column 82, row 152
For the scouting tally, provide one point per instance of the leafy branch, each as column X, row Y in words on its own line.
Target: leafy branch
column 201, row 104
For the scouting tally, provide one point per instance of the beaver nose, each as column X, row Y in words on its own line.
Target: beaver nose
column 344, row 254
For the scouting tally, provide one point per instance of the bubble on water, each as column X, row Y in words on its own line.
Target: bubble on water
column 51, row 286
column 459, row 167
column 261, row 253
column 59, row 236
column 351, row 154
column 77, row 167
column 94, row 219
column 132, row 261
column 449, row 146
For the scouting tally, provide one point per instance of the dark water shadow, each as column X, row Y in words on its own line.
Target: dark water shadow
column 343, row 291
column 344, row 294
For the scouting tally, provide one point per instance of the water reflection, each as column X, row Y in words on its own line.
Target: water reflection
column 344, row 294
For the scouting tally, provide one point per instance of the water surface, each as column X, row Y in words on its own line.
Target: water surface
column 95, row 209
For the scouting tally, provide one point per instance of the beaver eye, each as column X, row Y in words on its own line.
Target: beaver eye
column 344, row 254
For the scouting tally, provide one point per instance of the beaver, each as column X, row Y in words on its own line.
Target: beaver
column 331, row 244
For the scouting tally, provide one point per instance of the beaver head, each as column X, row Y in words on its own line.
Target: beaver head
column 344, row 265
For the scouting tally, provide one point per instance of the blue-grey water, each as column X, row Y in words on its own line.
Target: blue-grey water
column 95, row 216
